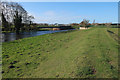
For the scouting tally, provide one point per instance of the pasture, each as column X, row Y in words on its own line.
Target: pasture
column 91, row 53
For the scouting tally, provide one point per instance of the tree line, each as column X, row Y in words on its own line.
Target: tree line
column 85, row 23
column 14, row 17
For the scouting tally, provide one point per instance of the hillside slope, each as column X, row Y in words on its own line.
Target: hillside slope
column 77, row 54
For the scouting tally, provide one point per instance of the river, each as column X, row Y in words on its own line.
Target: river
column 6, row 37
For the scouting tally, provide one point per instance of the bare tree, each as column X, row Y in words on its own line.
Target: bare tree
column 29, row 22
column 4, row 22
column 85, row 23
column 108, row 24
column 30, row 19
column 3, row 16
column 96, row 24
column 14, row 13
column 20, row 16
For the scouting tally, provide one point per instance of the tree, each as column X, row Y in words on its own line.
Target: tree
column 3, row 16
column 75, row 25
column 108, row 24
column 17, row 22
column 93, row 22
column 85, row 23
column 14, row 12
column 96, row 24
column 20, row 16
column 4, row 22
column 28, row 22
column 30, row 18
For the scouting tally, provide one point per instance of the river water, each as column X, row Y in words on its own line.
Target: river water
column 6, row 37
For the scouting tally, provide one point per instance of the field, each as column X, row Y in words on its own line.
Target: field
column 89, row 53
column 115, row 30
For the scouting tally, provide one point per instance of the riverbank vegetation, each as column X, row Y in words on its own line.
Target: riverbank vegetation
column 91, row 53
column 15, row 18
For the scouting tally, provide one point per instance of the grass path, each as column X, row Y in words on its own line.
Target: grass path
column 81, row 54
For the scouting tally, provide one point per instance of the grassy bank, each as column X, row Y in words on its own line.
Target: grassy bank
column 115, row 30
column 78, row 54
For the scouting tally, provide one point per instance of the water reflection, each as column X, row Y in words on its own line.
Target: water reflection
column 6, row 37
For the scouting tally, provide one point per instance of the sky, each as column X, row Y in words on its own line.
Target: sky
column 64, row 0
column 72, row 12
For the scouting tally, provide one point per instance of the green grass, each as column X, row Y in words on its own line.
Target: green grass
column 43, row 29
column 6, row 31
column 46, row 26
column 91, row 53
column 115, row 30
